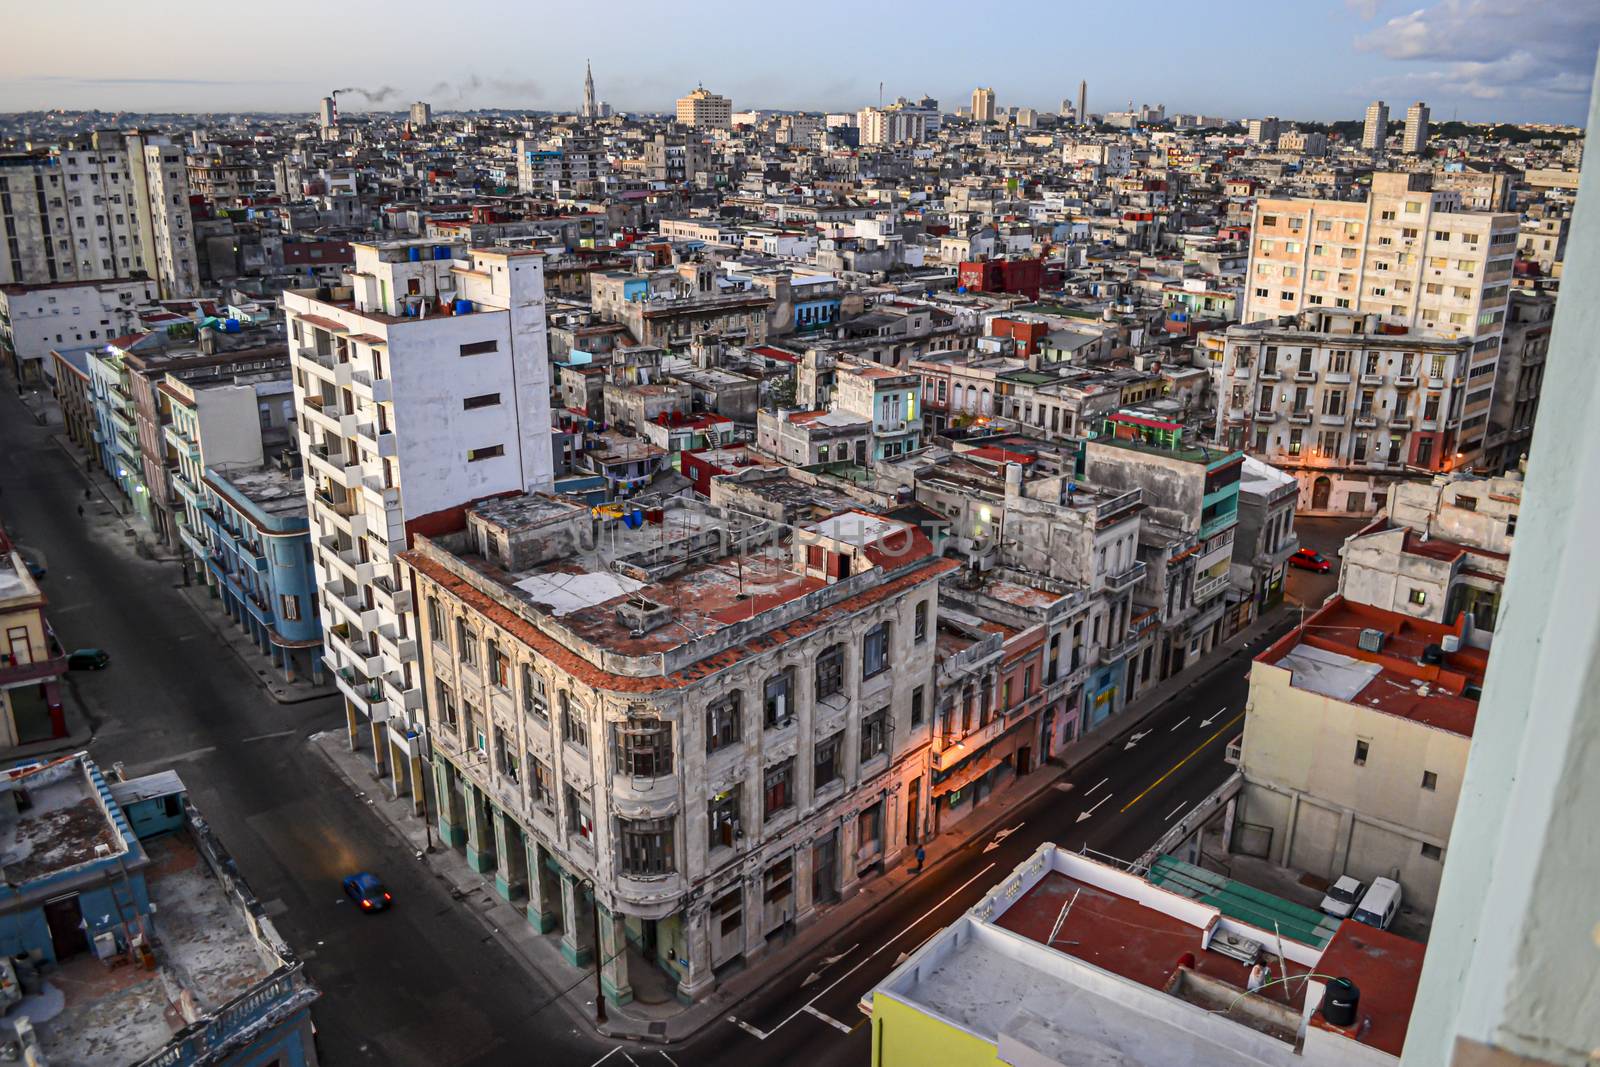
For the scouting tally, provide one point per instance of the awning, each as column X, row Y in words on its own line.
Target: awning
column 967, row 774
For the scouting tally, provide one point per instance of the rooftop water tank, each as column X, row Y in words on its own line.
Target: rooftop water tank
column 414, row 254
column 1340, row 1002
column 463, row 307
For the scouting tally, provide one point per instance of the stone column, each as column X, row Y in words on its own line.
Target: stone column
column 577, row 924
column 697, row 935
column 480, row 835
column 613, row 948
column 397, row 767
column 503, row 875
column 450, row 831
column 352, row 723
column 380, row 745
column 419, row 787
column 544, row 890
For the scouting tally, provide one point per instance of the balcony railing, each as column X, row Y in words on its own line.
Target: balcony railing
column 1205, row 590
column 13, row 672
column 1116, row 583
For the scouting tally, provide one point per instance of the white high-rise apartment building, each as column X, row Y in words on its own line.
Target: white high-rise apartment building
column 899, row 123
column 1376, row 129
column 99, row 207
column 1409, row 255
column 421, row 114
column 1416, row 139
column 982, row 105
column 421, row 387
column 705, row 110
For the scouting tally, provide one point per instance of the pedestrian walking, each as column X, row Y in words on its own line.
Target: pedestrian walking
column 922, row 855
column 80, row 511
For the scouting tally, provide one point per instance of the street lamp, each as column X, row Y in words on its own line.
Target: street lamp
column 599, row 989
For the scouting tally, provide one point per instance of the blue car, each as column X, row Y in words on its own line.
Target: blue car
column 365, row 889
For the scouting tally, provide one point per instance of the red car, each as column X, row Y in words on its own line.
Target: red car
column 1309, row 559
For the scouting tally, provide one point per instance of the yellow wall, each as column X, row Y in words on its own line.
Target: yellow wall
column 902, row 1036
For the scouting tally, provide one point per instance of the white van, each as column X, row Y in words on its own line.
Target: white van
column 1380, row 905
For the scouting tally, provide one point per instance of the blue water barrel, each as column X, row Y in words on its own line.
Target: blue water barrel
column 414, row 254
column 463, row 307
column 231, row 326
column 441, row 251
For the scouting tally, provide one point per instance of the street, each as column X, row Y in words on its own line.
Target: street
column 426, row 983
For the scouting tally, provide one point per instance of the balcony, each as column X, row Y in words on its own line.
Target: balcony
column 181, row 444
column 394, row 687
column 382, row 441
column 1332, row 420
column 1106, row 654
column 342, row 470
column 1366, row 420
column 1300, row 418
column 1116, row 583
column 1436, row 383
column 390, row 643
column 343, row 639
column 1270, row 375
column 1405, row 380
column 326, row 366
column 1338, row 378
column 379, row 390
column 338, row 505
column 397, row 600
column 1372, row 379
column 1400, row 422
column 959, row 750
column 1305, row 376
column 13, row 672
column 1265, row 416
column 329, row 415
column 1210, row 587
column 122, row 422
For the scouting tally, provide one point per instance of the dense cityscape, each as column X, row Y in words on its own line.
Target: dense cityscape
column 938, row 582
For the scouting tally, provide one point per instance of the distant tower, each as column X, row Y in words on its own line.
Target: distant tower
column 1376, row 129
column 591, row 110
column 1416, row 140
column 327, row 113
column 1083, row 102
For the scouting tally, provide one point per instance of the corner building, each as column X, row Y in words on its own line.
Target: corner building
column 712, row 728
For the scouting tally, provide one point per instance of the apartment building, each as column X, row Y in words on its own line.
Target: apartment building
column 705, row 110
column 888, row 398
column 1519, row 380
column 99, row 207
column 899, row 123
column 716, row 736
column 421, row 386
column 1355, row 744
column 1375, row 130
column 1347, row 408
column 983, row 109
column 1408, row 254
column 1264, row 539
column 1415, row 142
column 36, row 318
column 32, row 662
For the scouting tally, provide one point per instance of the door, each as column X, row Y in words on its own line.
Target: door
column 913, row 803
column 727, row 927
column 64, row 918
column 1024, row 760
column 18, row 646
column 1321, row 489
column 824, row 862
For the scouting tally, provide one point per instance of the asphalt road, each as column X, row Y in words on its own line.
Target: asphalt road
column 426, row 984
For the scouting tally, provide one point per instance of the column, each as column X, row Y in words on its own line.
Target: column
column 352, row 723
column 614, row 958
column 380, row 745
column 577, row 924
column 419, row 785
column 697, row 934
column 504, row 877
column 544, row 889
column 450, row 830
column 480, row 835
column 397, row 766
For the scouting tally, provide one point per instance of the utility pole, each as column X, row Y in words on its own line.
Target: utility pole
column 599, row 989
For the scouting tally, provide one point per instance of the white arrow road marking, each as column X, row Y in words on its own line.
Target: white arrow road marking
column 827, row 961
column 1001, row 836
column 1082, row 815
column 759, row 1035
column 830, row 1020
column 1135, row 739
column 1179, row 723
column 1175, row 811
column 1211, row 719
column 1097, row 785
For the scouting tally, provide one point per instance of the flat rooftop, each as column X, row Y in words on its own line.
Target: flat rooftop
column 1324, row 656
column 271, row 489
column 63, row 825
column 109, row 1017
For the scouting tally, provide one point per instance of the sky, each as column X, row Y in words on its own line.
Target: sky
column 1479, row 60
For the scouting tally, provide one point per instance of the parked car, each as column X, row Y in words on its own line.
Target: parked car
column 35, row 569
column 88, row 659
column 1380, row 905
column 1342, row 897
column 1309, row 559
column 364, row 888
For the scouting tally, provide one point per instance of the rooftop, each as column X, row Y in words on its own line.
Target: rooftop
column 53, row 819
column 1324, row 656
column 271, row 489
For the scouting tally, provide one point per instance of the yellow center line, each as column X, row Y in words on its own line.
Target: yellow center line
column 1225, row 728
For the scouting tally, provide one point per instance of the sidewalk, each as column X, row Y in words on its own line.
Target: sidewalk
column 210, row 610
column 671, row 1022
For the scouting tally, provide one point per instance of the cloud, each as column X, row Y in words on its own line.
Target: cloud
column 1535, row 50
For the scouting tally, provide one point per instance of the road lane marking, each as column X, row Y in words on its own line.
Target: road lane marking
column 1180, row 722
column 1135, row 739
column 1175, row 811
column 267, row 737
column 1082, row 815
column 630, row 1059
column 830, row 1020
column 1208, row 721
column 762, row 1035
column 669, row 1059
column 1097, row 785
column 1198, row 749
column 827, row 961
column 606, row 1057
column 1001, row 836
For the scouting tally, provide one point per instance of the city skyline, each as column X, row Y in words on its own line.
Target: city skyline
column 1469, row 60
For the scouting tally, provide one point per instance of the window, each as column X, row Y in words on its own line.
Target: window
column 478, row 348
column 869, row 828
column 1361, row 753
column 574, row 724
column 917, row 711
column 778, row 880
column 447, row 706
column 875, row 735
column 484, row 400
column 828, row 764
column 506, row 754
column 724, row 724
column 643, row 747
column 647, row 846
column 580, row 816
column 475, row 733
column 875, row 651
column 289, row 607
column 1467, row 503
column 1432, row 852
column 543, row 784
column 499, row 667
column 722, row 818
column 1430, row 781
column 778, row 699
column 487, row 452
column 778, row 788
column 1417, row 596
column 533, row 698
column 830, row 672
column 919, row 628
